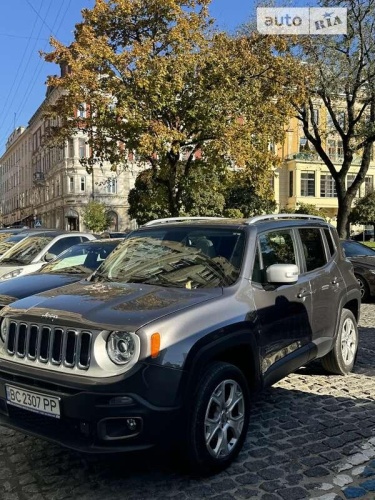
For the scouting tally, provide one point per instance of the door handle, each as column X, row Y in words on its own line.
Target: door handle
column 303, row 293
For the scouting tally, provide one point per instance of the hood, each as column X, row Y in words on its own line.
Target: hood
column 363, row 260
column 107, row 305
column 23, row 286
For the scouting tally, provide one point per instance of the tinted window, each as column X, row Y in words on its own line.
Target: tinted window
column 81, row 258
column 277, row 247
column 63, row 244
column 331, row 245
column 353, row 249
column 313, row 248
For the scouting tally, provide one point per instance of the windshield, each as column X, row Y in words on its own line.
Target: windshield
column 26, row 250
column 184, row 257
column 80, row 259
column 354, row 249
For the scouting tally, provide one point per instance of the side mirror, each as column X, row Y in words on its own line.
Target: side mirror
column 282, row 274
column 49, row 256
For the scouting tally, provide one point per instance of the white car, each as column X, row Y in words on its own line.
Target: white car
column 30, row 254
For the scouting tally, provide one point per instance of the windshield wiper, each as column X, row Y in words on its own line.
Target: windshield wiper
column 101, row 276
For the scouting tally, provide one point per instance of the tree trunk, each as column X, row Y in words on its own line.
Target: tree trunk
column 345, row 203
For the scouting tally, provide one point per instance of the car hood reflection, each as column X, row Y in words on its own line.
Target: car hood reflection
column 108, row 305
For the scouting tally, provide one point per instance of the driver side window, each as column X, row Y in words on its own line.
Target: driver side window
column 276, row 247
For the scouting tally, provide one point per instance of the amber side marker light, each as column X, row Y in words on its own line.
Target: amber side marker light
column 155, row 345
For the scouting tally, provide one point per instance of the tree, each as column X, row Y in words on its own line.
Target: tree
column 364, row 210
column 305, row 208
column 342, row 79
column 96, row 217
column 242, row 200
column 158, row 80
column 209, row 191
column 147, row 200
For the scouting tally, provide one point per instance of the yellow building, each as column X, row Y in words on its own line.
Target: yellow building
column 304, row 178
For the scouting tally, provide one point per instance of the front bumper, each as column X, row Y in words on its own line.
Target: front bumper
column 92, row 419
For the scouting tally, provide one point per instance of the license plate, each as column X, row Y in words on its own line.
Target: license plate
column 33, row 401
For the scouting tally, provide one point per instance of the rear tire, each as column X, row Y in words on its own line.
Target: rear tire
column 340, row 360
column 218, row 420
column 365, row 291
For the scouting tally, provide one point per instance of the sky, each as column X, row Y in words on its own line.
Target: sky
column 25, row 28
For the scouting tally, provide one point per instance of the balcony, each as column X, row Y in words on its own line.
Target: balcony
column 38, row 178
column 314, row 157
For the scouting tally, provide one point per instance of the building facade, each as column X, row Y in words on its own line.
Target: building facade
column 49, row 187
column 303, row 178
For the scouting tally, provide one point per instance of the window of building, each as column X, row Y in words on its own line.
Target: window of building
column 340, row 115
column 83, row 184
column 70, row 148
column 349, row 181
column 369, row 184
column 291, row 188
column 112, row 185
column 316, row 116
column 82, row 148
column 331, row 147
column 81, row 112
column 307, row 183
column 327, row 186
column 71, row 184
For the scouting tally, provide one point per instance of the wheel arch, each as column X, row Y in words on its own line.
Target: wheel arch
column 238, row 347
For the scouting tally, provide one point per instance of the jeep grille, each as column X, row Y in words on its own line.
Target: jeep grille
column 49, row 344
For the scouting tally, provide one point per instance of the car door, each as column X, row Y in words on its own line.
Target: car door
column 326, row 281
column 283, row 312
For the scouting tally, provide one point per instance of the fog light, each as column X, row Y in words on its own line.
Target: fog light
column 121, row 400
column 84, row 427
column 131, row 423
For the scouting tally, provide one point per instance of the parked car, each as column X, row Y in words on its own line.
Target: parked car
column 366, row 235
column 363, row 260
column 13, row 238
column 165, row 340
column 114, row 234
column 74, row 264
column 7, row 233
column 32, row 252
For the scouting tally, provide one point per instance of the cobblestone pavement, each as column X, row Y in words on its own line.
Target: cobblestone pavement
column 311, row 437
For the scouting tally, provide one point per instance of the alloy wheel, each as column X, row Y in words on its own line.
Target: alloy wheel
column 224, row 418
column 348, row 341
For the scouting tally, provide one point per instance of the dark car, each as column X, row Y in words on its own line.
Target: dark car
column 164, row 342
column 70, row 266
column 366, row 235
column 114, row 234
column 363, row 260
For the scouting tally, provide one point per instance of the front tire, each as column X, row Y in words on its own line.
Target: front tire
column 218, row 420
column 340, row 360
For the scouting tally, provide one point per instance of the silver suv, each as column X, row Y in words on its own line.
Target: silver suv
column 165, row 341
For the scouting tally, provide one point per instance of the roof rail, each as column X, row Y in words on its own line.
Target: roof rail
column 178, row 219
column 259, row 218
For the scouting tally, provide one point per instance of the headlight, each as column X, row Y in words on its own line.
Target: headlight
column 3, row 329
column 12, row 274
column 123, row 347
